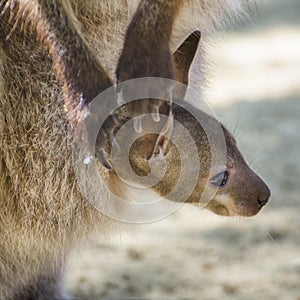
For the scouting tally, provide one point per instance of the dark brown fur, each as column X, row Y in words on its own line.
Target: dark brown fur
column 49, row 73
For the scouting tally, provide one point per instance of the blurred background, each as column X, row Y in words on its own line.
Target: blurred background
column 255, row 90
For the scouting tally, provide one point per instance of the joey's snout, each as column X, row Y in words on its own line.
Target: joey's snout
column 241, row 192
column 244, row 194
column 262, row 191
column 259, row 192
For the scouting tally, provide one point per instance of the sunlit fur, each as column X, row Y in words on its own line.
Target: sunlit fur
column 42, row 212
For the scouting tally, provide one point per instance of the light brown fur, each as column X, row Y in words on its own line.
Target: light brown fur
column 42, row 212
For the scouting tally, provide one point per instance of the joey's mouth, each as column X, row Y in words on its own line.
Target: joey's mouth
column 232, row 209
column 217, row 208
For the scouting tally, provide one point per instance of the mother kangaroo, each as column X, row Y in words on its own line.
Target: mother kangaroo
column 56, row 56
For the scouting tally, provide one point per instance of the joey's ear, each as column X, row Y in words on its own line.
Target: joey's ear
column 184, row 56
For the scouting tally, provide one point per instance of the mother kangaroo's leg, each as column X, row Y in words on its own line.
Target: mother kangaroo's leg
column 146, row 51
column 76, row 67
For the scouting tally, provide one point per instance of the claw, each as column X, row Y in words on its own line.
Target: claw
column 137, row 123
column 157, row 153
column 155, row 114
column 100, row 152
column 171, row 111
column 118, row 89
column 113, row 141
column 103, row 159
column 166, row 132
column 120, row 99
column 116, row 120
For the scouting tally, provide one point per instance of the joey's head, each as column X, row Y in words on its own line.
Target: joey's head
column 223, row 182
column 241, row 192
column 193, row 158
column 184, row 155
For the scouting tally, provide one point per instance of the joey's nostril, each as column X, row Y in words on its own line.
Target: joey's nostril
column 264, row 195
column 262, row 202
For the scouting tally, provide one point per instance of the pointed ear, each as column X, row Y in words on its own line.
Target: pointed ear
column 184, row 56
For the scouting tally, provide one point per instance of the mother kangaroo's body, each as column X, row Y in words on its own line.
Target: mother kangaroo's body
column 42, row 211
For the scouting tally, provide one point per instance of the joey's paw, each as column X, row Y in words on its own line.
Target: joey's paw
column 144, row 57
column 98, row 139
column 145, row 64
column 106, row 140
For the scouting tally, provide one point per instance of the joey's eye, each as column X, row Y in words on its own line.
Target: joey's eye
column 219, row 180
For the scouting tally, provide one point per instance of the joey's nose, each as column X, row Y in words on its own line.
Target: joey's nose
column 264, row 196
column 262, row 202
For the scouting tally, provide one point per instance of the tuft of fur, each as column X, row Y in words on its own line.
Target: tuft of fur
column 42, row 211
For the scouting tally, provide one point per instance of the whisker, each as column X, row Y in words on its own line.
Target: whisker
column 259, row 160
column 237, row 123
column 242, row 126
column 271, row 238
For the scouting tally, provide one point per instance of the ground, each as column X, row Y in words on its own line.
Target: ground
column 254, row 88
